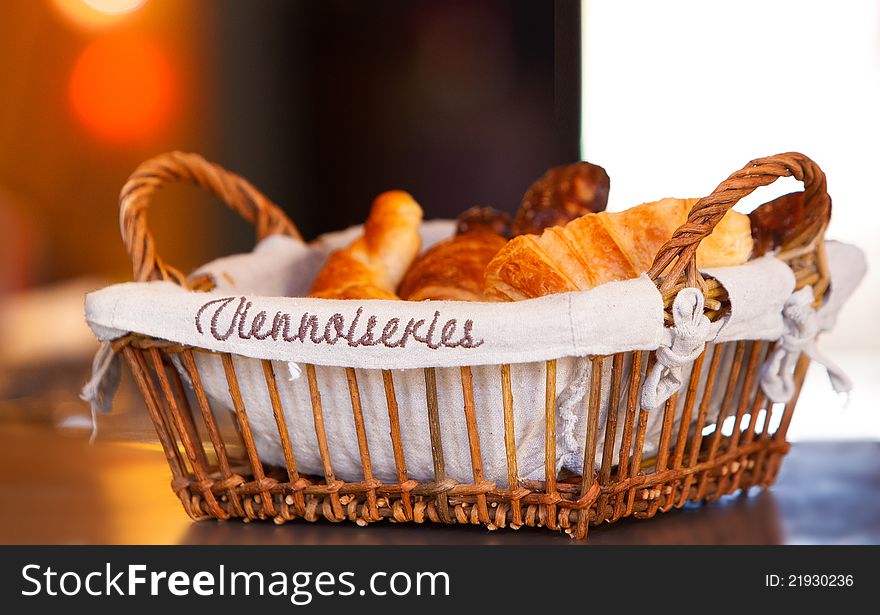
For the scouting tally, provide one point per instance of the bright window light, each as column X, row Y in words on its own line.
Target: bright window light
column 677, row 95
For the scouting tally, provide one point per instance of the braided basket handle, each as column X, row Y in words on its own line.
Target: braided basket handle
column 233, row 190
column 708, row 211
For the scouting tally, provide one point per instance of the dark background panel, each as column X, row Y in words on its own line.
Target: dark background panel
column 326, row 104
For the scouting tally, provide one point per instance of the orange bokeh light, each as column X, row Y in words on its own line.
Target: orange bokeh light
column 123, row 88
column 97, row 14
column 115, row 7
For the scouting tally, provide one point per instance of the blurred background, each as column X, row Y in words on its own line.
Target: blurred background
column 322, row 105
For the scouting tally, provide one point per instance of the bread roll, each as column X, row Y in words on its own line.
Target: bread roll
column 563, row 193
column 373, row 265
column 777, row 222
column 484, row 219
column 452, row 269
column 599, row 248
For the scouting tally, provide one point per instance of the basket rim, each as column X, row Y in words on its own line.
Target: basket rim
column 111, row 313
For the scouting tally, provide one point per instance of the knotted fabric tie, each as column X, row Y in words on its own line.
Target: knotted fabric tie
column 801, row 324
column 99, row 390
column 691, row 331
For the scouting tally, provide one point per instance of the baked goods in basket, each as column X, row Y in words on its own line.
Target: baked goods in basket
column 563, row 193
column 452, row 269
column 373, row 265
column 599, row 248
column 486, row 219
column 505, row 415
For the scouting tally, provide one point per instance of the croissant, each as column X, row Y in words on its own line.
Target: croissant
column 563, row 193
column 373, row 265
column 452, row 269
column 599, row 248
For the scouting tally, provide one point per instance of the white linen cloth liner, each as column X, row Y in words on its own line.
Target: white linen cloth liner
column 615, row 317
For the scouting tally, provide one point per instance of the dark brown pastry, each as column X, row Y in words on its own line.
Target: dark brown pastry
column 484, row 219
column 774, row 223
column 561, row 195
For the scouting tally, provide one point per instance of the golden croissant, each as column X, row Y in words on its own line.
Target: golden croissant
column 602, row 247
column 373, row 265
column 452, row 270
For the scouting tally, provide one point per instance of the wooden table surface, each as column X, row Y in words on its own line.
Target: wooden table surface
column 56, row 488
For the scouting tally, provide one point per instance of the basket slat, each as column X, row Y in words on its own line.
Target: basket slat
column 617, row 367
column 213, row 432
column 550, row 443
column 470, row 413
column 510, row 446
column 262, row 483
column 659, row 492
column 697, row 439
column 397, row 443
column 436, row 443
column 166, row 423
column 363, row 445
column 594, row 408
column 749, row 386
column 628, row 428
column 637, row 458
column 191, row 442
column 179, row 393
column 169, row 446
column 639, row 443
column 321, row 434
column 286, row 441
column 730, row 390
column 800, row 373
column 758, row 404
column 685, row 425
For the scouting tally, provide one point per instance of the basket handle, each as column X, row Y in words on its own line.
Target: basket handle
column 708, row 211
column 233, row 190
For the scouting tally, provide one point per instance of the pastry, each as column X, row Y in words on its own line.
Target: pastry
column 483, row 219
column 452, row 269
column 776, row 222
column 561, row 195
column 599, row 248
column 374, row 264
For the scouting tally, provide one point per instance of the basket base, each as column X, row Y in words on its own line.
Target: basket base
column 642, row 497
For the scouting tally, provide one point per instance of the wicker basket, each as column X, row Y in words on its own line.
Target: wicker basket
column 218, row 473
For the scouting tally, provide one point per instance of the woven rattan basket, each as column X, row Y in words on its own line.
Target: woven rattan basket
column 217, row 471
